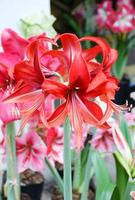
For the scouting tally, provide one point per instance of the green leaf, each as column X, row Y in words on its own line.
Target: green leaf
column 115, row 195
column 125, row 130
column 121, row 178
column 107, row 192
column 56, row 175
column 105, row 186
column 123, row 162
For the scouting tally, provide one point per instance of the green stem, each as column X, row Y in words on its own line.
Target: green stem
column 1, row 175
column 67, row 162
column 89, row 171
column 77, row 170
column 56, row 175
column 13, row 185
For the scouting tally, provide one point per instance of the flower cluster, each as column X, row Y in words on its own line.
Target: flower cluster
column 119, row 20
column 43, row 86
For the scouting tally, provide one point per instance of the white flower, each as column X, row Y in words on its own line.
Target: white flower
column 38, row 23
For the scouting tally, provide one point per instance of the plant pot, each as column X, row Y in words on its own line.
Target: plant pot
column 31, row 185
column 25, row 197
column 123, row 94
column 56, row 195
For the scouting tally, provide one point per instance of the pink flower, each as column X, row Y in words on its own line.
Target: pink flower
column 54, row 142
column 120, row 19
column 14, row 48
column 104, row 12
column 123, row 20
column 103, row 141
column 30, row 151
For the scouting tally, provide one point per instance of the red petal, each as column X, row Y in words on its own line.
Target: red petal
column 52, row 87
column 92, row 113
column 102, row 43
column 71, row 45
column 59, row 115
column 24, row 71
column 20, row 95
column 99, row 79
column 91, row 53
column 79, row 74
column 111, row 59
column 33, row 55
column 77, row 121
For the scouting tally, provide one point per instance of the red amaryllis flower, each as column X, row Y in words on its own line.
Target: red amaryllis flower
column 71, row 74
column 83, row 84
column 30, row 74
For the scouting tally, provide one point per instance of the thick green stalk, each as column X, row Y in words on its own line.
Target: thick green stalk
column 56, row 176
column 77, row 171
column 13, row 185
column 67, row 162
column 1, row 175
column 88, row 175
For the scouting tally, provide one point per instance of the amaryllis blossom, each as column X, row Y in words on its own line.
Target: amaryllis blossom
column 104, row 12
column 86, row 80
column 54, row 140
column 31, row 73
column 127, row 3
column 13, row 50
column 123, row 20
column 120, row 19
column 30, row 151
column 72, row 75
column 103, row 141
